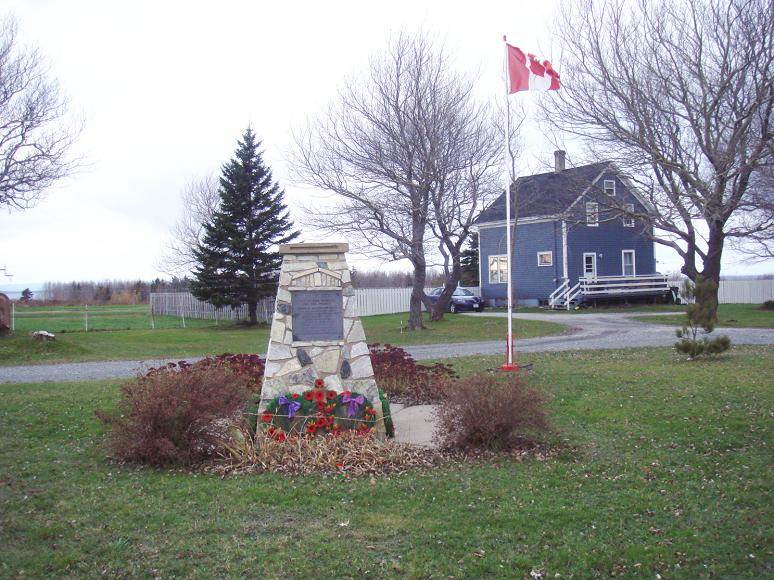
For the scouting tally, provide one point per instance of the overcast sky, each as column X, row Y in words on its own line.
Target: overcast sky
column 164, row 89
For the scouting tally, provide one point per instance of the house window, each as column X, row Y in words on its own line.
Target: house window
column 610, row 186
column 498, row 269
column 545, row 258
column 628, row 220
column 628, row 266
column 592, row 213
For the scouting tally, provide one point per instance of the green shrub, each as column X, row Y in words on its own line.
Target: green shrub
column 485, row 412
column 701, row 315
column 768, row 305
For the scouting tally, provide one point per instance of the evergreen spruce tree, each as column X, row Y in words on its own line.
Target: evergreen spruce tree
column 235, row 262
column 469, row 263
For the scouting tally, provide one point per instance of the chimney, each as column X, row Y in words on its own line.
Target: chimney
column 558, row 160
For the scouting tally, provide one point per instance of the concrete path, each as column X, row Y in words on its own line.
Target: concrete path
column 414, row 425
column 586, row 332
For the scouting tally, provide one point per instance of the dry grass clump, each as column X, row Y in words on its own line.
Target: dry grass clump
column 348, row 454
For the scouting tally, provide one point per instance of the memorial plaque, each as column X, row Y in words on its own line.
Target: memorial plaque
column 317, row 315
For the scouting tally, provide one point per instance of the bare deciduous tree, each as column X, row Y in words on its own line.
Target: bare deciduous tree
column 35, row 139
column 470, row 176
column 679, row 95
column 400, row 147
column 758, row 219
column 200, row 199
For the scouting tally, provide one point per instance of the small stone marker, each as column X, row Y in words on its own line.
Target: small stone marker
column 5, row 314
column 315, row 333
column 42, row 335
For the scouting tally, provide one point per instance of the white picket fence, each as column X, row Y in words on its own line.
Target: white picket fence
column 368, row 301
column 733, row 291
column 745, row 291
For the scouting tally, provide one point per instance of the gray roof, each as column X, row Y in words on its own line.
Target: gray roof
column 544, row 194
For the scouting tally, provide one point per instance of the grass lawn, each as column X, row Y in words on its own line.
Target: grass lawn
column 729, row 315
column 386, row 328
column 671, row 475
column 211, row 339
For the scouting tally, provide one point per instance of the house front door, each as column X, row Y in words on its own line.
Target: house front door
column 590, row 265
column 627, row 263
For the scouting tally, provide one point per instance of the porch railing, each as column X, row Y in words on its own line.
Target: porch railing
column 557, row 295
column 622, row 285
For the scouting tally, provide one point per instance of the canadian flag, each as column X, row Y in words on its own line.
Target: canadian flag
column 527, row 73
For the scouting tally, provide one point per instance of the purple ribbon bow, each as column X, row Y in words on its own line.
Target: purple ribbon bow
column 292, row 406
column 354, row 403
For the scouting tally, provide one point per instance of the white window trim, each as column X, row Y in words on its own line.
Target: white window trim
column 628, row 221
column 550, row 258
column 594, row 274
column 596, row 214
column 607, row 182
column 489, row 270
column 623, row 262
column 565, row 264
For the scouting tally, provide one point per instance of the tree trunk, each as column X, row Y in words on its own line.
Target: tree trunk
column 252, row 309
column 440, row 306
column 711, row 269
column 417, row 296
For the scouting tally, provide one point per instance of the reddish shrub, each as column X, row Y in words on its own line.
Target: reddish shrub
column 174, row 416
column 405, row 381
column 248, row 366
column 493, row 413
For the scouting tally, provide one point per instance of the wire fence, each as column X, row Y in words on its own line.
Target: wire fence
column 182, row 310
column 184, row 304
column 89, row 318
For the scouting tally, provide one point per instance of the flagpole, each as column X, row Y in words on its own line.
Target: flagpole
column 508, row 365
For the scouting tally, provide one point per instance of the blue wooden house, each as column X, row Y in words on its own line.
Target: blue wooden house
column 575, row 241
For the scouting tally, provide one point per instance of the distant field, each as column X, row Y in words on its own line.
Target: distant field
column 58, row 319
column 124, row 333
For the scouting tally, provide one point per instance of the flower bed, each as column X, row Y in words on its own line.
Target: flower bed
column 318, row 411
column 248, row 366
column 405, row 381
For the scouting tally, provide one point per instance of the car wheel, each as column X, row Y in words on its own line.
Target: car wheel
column 452, row 308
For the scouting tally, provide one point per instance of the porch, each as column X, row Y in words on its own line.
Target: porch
column 608, row 287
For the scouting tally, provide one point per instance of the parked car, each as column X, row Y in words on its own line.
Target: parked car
column 461, row 300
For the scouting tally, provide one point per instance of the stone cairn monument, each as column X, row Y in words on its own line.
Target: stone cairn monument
column 317, row 339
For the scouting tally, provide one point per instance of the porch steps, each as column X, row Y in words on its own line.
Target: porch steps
column 565, row 297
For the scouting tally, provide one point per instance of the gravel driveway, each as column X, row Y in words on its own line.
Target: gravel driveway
column 585, row 332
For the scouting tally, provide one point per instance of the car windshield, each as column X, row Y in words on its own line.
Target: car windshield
column 462, row 292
